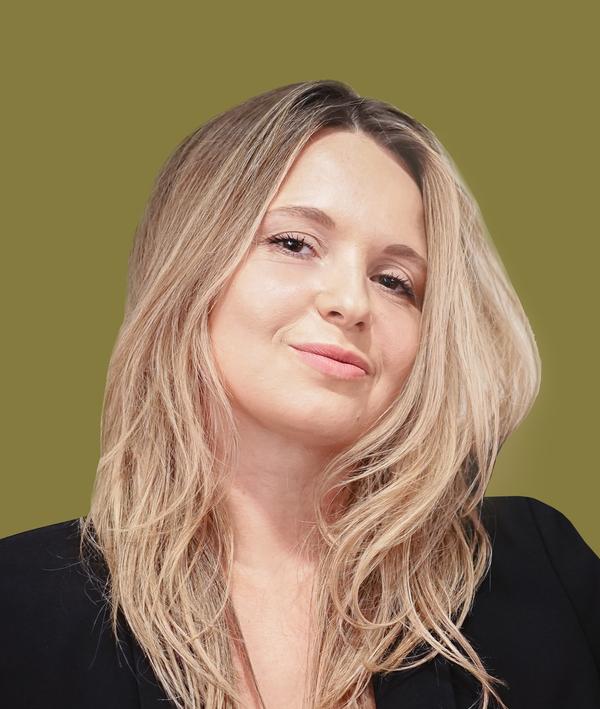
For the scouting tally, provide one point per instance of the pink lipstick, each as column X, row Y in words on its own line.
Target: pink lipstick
column 333, row 360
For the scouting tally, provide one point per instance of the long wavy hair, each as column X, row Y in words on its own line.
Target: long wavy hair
column 400, row 564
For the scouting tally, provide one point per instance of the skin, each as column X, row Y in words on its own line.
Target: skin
column 291, row 417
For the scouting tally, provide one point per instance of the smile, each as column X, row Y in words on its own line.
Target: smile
column 332, row 367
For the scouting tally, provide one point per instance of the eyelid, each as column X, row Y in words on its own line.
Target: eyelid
column 403, row 272
column 293, row 234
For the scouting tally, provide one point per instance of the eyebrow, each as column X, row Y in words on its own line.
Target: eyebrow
column 320, row 217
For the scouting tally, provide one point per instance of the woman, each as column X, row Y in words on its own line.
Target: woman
column 320, row 360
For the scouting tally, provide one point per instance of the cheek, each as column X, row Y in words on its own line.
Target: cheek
column 250, row 316
column 239, row 306
column 263, row 296
column 398, row 347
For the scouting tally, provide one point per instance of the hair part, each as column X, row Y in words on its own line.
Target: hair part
column 399, row 567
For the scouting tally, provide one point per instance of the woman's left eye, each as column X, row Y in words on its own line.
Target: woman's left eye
column 404, row 283
column 281, row 239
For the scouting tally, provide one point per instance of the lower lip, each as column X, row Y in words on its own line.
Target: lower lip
column 341, row 370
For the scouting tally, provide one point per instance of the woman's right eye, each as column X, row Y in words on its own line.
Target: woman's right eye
column 283, row 240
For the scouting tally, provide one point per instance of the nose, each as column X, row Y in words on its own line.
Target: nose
column 344, row 295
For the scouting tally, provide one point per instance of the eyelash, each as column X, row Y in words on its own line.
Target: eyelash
column 280, row 238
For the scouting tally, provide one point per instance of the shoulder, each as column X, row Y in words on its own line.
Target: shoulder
column 536, row 613
column 525, row 511
column 38, row 564
column 35, row 545
column 528, row 533
column 45, row 591
column 522, row 526
column 55, row 635
column 535, row 618
column 38, row 556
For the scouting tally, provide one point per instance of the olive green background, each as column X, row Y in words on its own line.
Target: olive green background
column 95, row 98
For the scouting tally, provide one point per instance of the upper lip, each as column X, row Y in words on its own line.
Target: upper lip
column 335, row 352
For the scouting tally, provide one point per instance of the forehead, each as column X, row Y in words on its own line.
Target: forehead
column 361, row 185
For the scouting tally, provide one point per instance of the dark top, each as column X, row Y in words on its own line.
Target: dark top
column 535, row 623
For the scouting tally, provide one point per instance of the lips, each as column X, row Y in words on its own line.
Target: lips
column 335, row 352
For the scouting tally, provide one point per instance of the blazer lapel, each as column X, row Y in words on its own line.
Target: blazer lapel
column 427, row 686
column 151, row 693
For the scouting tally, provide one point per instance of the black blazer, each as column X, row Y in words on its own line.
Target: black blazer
column 535, row 623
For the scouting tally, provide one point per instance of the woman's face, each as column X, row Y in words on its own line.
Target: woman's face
column 334, row 278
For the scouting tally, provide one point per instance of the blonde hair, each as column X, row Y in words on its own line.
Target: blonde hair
column 401, row 564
